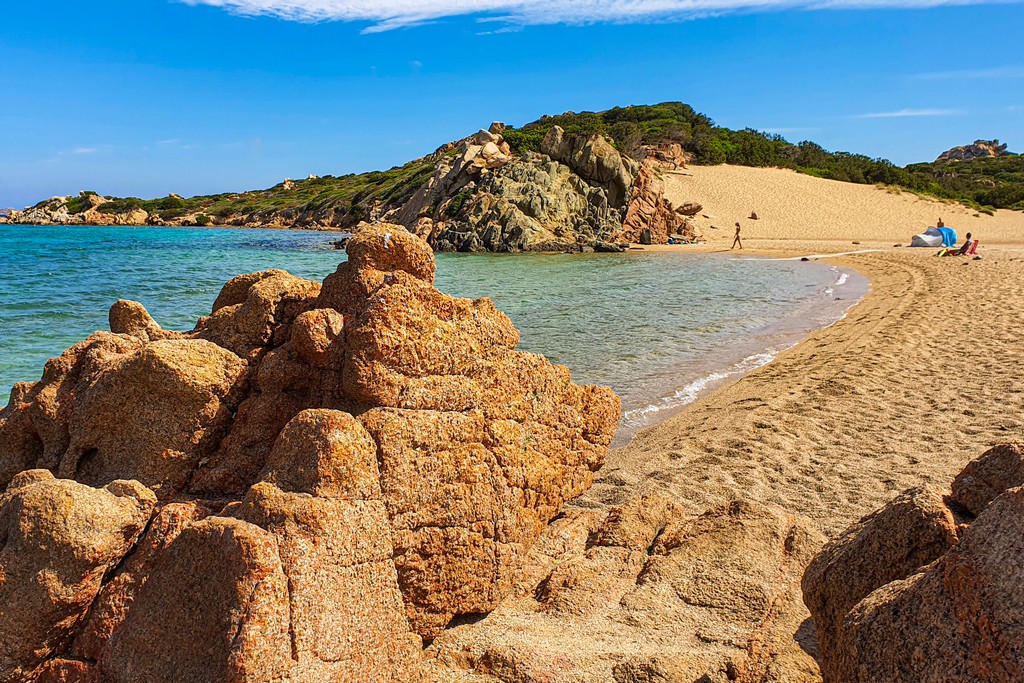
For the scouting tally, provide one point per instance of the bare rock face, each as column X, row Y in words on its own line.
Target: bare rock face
column 660, row 595
column 593, row 158
column 979, row 149
column 909, row 533
column 914, row 593
column 649, row 210
column 336, row 473
column 59, row 539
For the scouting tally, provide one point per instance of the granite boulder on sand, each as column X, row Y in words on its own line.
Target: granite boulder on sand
column 302, row 488
column 928, row 588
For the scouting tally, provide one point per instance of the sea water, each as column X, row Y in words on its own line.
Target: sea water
column 659, row 328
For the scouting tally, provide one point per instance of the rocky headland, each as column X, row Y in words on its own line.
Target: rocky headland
column 578, row 193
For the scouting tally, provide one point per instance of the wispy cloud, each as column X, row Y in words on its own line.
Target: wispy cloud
column 384, row 15
column 988, row 73
column 84, row 150
column 909, row 113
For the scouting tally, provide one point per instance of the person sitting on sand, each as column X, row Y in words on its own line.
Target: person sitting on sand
column 737, row 239
column 950, row 251
column 940, row 224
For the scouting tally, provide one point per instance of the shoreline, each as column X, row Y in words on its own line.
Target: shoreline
column 743, row 356
column 851, row 415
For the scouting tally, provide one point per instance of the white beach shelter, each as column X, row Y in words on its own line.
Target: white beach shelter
column 929, row 238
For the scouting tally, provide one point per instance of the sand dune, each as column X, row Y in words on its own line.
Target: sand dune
column 793, row 207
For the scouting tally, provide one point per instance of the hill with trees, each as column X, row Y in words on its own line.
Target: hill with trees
column 984, row 183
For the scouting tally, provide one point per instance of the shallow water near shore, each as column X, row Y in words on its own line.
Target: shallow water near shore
column 659, row 328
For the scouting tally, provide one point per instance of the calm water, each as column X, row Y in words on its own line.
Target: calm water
column 658, row 328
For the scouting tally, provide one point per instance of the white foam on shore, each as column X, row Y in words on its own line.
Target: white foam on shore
column 640, row 417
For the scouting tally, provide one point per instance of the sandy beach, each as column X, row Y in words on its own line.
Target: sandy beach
column 915, row 382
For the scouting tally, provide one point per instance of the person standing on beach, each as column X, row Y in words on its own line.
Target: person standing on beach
column 736, row 240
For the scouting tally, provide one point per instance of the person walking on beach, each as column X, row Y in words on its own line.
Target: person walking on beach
column 736, row 240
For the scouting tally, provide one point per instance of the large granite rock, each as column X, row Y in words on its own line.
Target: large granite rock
column 651, row 217
column 643, row 592
column 341, row 471
column 979, row 149
column 58, row 539
column 924, row 591
column 593, row 158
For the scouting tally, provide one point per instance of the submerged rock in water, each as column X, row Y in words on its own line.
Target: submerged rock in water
column 322, row 477
column 924, row 590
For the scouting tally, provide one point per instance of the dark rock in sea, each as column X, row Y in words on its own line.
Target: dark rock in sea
column 609, row 247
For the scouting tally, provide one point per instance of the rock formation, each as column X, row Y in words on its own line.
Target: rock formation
column 577, row 192
column 928, row 588
column 643, row 592
column 301, row 488
column 980, row 149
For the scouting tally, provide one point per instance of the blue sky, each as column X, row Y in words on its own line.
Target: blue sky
column 147, row 97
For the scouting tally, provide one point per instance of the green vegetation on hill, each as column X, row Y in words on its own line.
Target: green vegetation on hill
column 989, row 182
column 984, row 183
column 349, row 197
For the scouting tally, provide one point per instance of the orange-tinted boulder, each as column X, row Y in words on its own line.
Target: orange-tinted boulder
column 214, row 608
column 58, row 539
column 985, row 478
column 341, row 470
column 912, row 593
column 891, row 544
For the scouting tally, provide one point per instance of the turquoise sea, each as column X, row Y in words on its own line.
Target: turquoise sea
column 657, row 327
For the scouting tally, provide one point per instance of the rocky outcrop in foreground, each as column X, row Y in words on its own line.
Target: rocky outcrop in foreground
column 929, row 587
column 980, row 149
column 304, row 487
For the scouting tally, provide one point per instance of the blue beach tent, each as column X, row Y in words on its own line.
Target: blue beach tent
column 935, row 237
column 948, row 237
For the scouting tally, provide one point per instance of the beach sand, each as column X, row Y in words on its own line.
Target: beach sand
column 800, row 212
column 922, row 376
column 918, row 379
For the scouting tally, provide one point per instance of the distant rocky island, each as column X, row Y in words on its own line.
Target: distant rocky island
column 573, row 182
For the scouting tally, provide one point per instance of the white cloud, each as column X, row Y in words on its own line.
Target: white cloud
column 85, row 150
column 905, row 113
column 989, row 73
column 385, row 15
